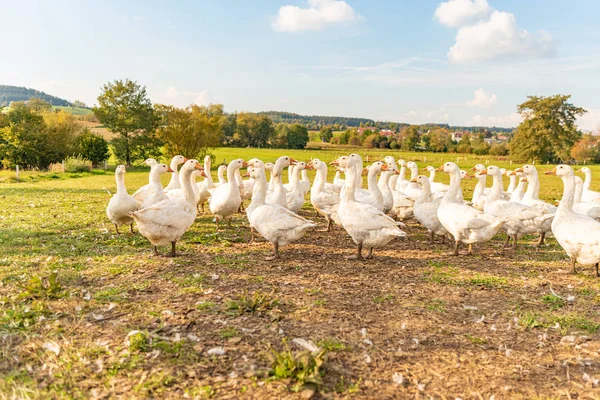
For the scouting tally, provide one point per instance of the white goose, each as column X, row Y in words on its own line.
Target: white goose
column 174, row 182
column 295, row 197
column 384, row 186
column 142, row 192
column 512, row 183
column 205, row 187
column 531, row 199
column 435, row 186
column 588, row 194
column 324, row 201
column 591, row 209
column 279, row 194
column 337, row 179
column 305, row 182
column 401, row 183
column 367, row 226
column 464, row 223
column 121, row 203
column 156, row 192
column 412, row 190
column 275, row 223
column 221, row 171
column 577, row 234
column 225, row 199
column 373, row 195
column 478, row 199
column 165, row 222
column 425, row 210
column 517, row 195
column 519, row 218
column 269, row 167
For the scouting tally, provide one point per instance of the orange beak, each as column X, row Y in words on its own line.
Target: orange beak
column 524, row 179
column 202, row 174
column 579, row 170
column 484, row 172
column 551, row 172
column 397, row 172
column 474, row 169
column 514, row 172
column 384, row 167
column 170, row 170
column 184, row 159
column 413, row 180
column 440, row 168
column 198, row 167
column 425, row 169
column 467, row 176
column 292, row 161
column 334, row 162
column 247, row 174
column 244, row 164
column 519, row 170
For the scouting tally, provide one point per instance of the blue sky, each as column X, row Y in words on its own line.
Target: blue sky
column 462, row 62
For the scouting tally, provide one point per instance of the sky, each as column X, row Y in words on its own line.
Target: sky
column 461, row 62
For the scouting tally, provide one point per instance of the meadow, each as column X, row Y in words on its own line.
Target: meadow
column 88, row 313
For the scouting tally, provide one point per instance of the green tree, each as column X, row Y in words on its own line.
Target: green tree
column 548, row 131
column 587, row 149
column 326, row 134
column 190, row 131
column 253, row 130
column 24, row 139
column 297, row 136
column 124, row 108
column 411, row 138
column 92, row 147
column 280, row 140
column 499, row 149
column 440, row 141
column 371, row 141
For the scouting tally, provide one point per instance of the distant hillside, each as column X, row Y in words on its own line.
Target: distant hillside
column 74, row 110
column 16, row 93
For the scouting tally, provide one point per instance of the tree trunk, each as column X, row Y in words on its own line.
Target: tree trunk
column 127, row 152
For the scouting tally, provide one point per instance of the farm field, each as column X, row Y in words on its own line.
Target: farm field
column 88, row 313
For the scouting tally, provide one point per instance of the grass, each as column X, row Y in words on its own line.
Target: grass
column 74, row 110
column 70, row 285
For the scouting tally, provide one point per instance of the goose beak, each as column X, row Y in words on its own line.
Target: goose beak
column 440, row 168
column 513, row 172
column 202, row 174
column 170, row 170
column 397, row 172
column 484, row 172
column 244, row 164
column 365, row 171
column 467, row 176
column 198, row 167
column 413, row 180
column 524, row 179
column 292, row 161
column 519, row 170
column 384, row 167
column 551, row 172
column 579, row 170
column 425, row 169
column 247, row 174
column 474, row 169
column 184, row 159
column 335, row 162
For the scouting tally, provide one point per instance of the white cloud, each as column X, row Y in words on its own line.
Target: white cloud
column 183, row 99
column 499, row 37
column 455, row 13
column 317, row 16
column 203, row 99
column 590, row 121
column 502, row 121
column 482, row 99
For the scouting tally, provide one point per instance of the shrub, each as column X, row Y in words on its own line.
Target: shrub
column 92, row 147
column 77, row 164
column 56, row 167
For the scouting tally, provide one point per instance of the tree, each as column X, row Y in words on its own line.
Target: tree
column 548, row 131
column 254, row 130
column 297, row 136
column 499, row 149
column 92, row 147
column 411, row 138
column 190, row 131
column 79, row 104
column 124, row 108
column 440, row 141
column 326, row 134
column 371, row 141
column 39, row 105
column 280, row 140
column 587, row 149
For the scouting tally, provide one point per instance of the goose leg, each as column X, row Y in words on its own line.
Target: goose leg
column 253, row 235
column 173, row 252
column 131, row 228
column 542, row 237
column 328, row 229
column 229, row 223
column 275, row 255
column 358, row 256
column 470, row 250
column 443, row 239
column 514, row 246
column 431, row 240
column 202, row 208
column 370, row 255
column 597, row 270
column 507, row 240
column 573, row 270
column 117, row 228
column 455, row 253
column 156, row 251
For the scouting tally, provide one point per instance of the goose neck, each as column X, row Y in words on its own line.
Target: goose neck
column 566, row 204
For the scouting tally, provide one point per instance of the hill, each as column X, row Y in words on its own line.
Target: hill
column 74, row 110
column 17, row 93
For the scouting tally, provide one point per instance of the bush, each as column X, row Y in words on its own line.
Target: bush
column 499, row 149
column 394, row 145
column 56, row 167
column 335, row 140
column 92, row 147
column 77, row 164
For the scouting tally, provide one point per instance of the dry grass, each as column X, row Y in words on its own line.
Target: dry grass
column 412, row 323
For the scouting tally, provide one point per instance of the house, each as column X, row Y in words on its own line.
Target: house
column 503, row 138
column 457, row 136
column 386, row 132
column 366, row 129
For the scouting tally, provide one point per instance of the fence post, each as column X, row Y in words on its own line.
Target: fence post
column 18, row 174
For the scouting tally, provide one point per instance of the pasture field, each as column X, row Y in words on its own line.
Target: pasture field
column 88, row 313
column 74, row 110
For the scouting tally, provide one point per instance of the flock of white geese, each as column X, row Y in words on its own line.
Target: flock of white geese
column 371, row 215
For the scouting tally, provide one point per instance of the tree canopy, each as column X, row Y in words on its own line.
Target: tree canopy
column 548, row 131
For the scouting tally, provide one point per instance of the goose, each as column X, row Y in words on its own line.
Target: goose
column 246, row 186
column 221, row 171
column 531, row 199
column 275, row 223
column 478, row 199
column 373, row 195
column 121, row 203
column 305, row 182
column 519, row 218
column 412, row 190
column 180, row 194
column 425, row 210
column 337, row 180
column 392, row 166
column 279, row 194
column 384, row 186
column 466, row 224
column 577, row 234
column 324, row 201
column 174, row 182
column 367, row 226
column 254, row 163
column 512, row 183
column 519, row 192
column 295, row 197
column 142, row 192
column 588, row 195
column 435, row 186
column 291, row 177
column 591, row 209
column 401, row 182
column 225, row 199
column 156, row 192
column 166, row 221
column 402, row 206
column 269, row 167
column 206, row 185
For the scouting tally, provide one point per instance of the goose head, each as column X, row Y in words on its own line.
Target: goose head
column 478, row 167
column 222, row 168
column 269, row 166
column 449, row 168
column 344, row 162
column 412, row 165
column 562, row 170
column 237, row 164
column 528, row 170
column 389, row 160
column 585, row 170
column 464, row 174
column 254, row 172
column 402, row 163
column 120, row 170
column 161, row 169
column 150, row 162
column 421, row 180
column 503, row 171
column 492, row 170
column 300, row 165
column 175, row 161
column 507, row 172
column 429, row 168
column 191, row 165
